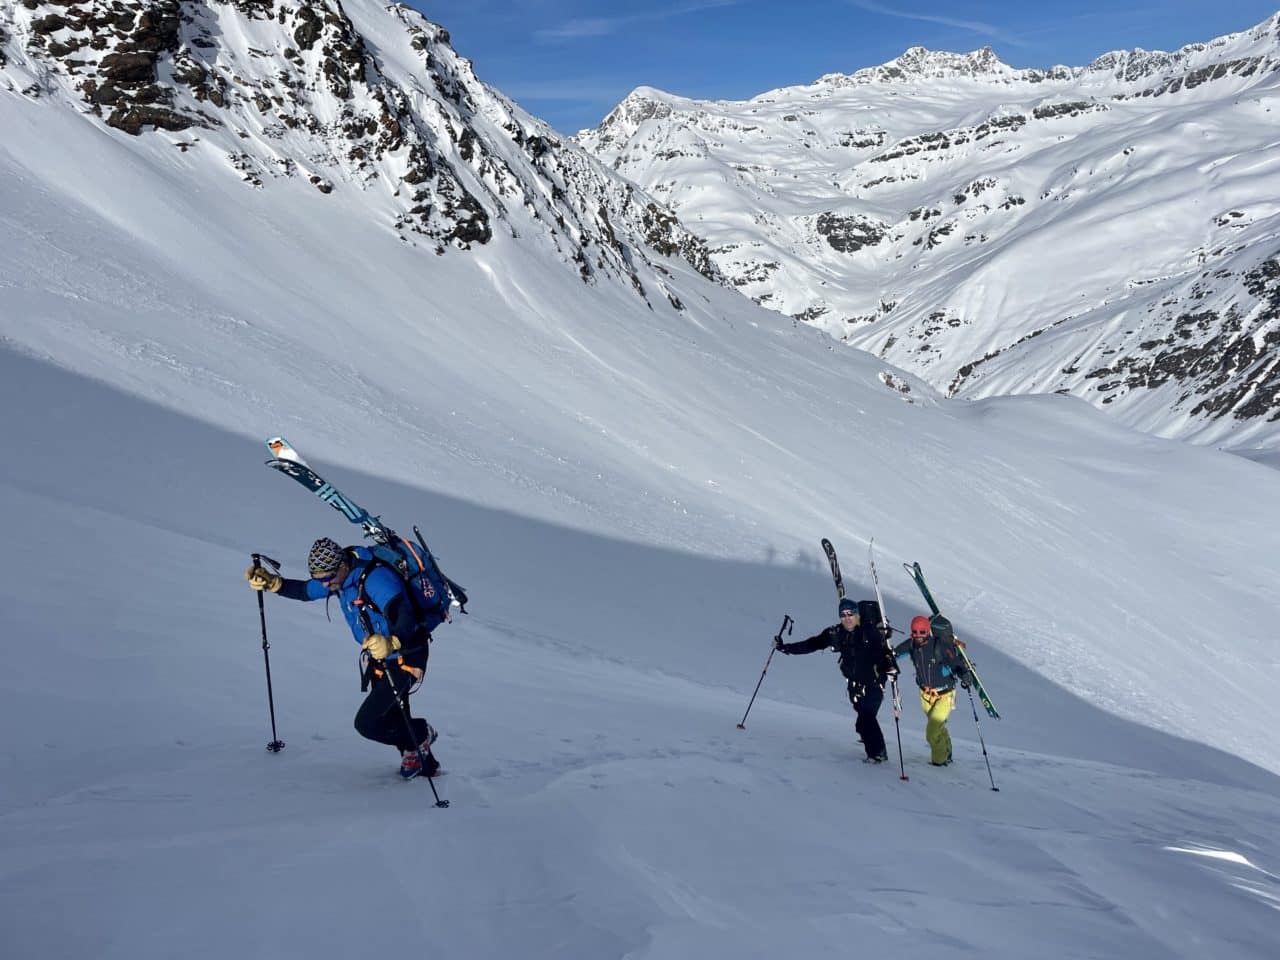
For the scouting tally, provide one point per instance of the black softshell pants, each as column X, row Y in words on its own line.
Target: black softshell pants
column 380, row 720
column 866, row 700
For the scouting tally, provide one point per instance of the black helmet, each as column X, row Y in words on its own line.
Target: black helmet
column 326, row 556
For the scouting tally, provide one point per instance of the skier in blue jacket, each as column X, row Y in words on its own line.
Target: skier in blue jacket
column 384, row 622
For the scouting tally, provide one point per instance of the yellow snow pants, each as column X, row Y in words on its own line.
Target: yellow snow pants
column 937, row 708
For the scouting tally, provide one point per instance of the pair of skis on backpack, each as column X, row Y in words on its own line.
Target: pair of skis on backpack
column 940, row 625
column 286, row 460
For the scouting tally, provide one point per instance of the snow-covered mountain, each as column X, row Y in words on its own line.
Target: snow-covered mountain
column 630, row 470
column 1110, row 231
column 367, row 101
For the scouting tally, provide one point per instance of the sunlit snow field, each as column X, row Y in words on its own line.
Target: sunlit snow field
column 634, row 499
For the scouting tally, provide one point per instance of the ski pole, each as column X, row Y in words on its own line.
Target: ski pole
column 888, row 632
column 897, row 712
column 787, row 624
column 404, row 715
column 276, row 744
column 974, row 707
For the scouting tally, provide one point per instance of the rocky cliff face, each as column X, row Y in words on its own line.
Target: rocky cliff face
column 1107, row 230
column 355, row 97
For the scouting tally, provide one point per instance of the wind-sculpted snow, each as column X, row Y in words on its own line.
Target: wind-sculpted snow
column 1106, row 231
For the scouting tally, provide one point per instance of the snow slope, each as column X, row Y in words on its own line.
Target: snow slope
column 633, row 492
column 602, row 803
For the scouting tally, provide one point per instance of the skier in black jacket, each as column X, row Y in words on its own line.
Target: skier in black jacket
column 866, row 662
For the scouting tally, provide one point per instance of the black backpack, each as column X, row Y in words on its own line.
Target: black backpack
column 870, row 615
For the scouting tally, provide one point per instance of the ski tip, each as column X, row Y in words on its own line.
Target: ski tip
column 281, row 449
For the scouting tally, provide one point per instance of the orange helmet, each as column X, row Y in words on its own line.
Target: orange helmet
column 920, row 626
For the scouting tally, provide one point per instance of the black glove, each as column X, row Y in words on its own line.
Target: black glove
column 778, row 644
column 964, row 682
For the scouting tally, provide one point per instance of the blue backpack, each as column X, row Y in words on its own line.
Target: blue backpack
column 431, row 591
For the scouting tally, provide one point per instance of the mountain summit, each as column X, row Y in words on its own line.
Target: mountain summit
column 922, row 63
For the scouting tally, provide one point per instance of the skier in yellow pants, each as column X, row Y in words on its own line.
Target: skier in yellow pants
column 937, row 708
column 938, row 666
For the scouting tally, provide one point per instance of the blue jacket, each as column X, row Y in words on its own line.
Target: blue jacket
column 390, row 608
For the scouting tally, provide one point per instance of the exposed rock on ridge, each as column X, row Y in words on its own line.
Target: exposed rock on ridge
column 291, row 88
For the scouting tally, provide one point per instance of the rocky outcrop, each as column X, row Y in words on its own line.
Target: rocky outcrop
column 1244, row 67
column 1216, row 344
column 1071, row 108
column 950, row 139
column 113, row 49
column 850, row 234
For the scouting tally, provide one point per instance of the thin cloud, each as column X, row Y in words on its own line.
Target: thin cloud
column 603, row 26
column 976, row 26
column 573, row 29
column 582, row 90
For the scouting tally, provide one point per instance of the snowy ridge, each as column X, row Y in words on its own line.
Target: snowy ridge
column 921, row 63
column 359, row 97
column 1107, row 231
column 1128, row 66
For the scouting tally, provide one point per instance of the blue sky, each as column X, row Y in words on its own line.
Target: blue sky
column 571, row 61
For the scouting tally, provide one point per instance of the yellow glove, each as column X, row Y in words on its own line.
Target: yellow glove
column 260, row 578
column 380, row 647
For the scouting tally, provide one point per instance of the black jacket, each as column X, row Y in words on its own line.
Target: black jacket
column 937, row 661
column 865, row 657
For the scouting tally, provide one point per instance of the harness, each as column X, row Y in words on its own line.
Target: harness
column 933, row 695
column 363, row 604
